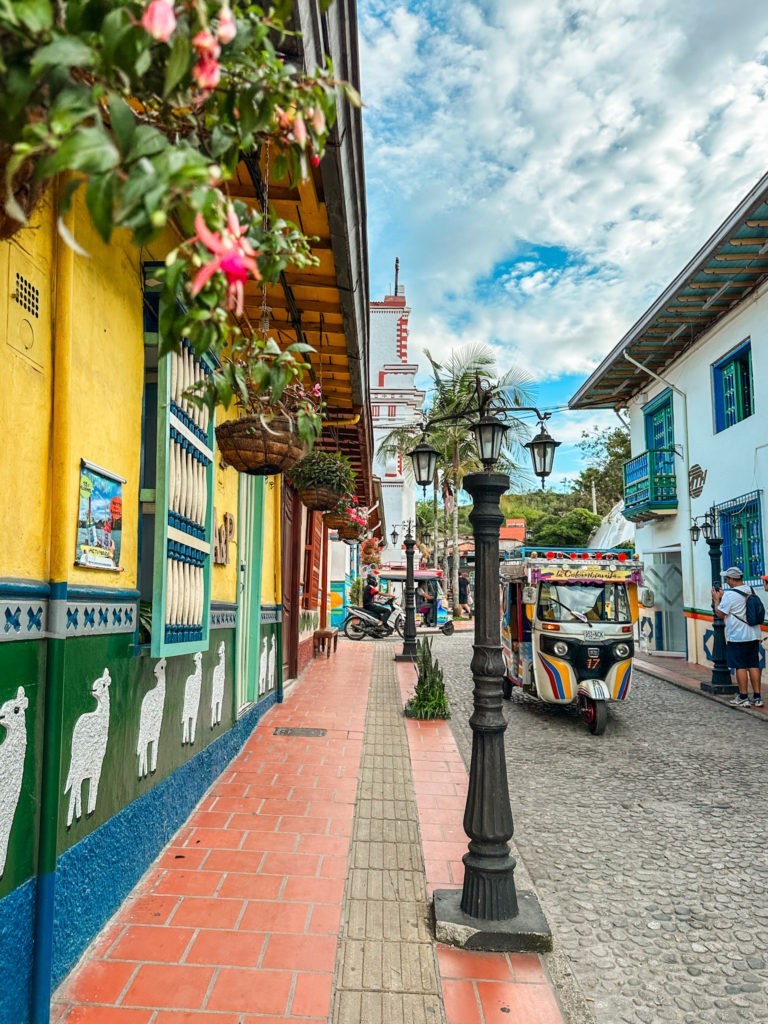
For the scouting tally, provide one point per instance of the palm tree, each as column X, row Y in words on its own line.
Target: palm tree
column 455, row 391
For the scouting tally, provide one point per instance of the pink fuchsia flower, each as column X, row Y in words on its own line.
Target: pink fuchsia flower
column 206, row 45
column 207, row 72
column 159, row 20
column 233, row 256
column 227, row 29
column 300, row 131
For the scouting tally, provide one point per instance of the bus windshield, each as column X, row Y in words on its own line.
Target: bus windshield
column 584, row 602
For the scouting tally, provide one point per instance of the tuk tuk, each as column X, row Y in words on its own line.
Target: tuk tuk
column 429, row 581
column 568, row 619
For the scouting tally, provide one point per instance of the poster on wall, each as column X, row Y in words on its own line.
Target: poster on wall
column 99, row 518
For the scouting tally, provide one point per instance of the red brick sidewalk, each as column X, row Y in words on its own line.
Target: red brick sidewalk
column 478, row 988
column 237, row 923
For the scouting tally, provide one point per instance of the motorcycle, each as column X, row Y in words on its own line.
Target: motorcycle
column 360, row 624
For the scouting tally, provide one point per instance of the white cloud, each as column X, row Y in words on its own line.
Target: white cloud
column 620, row 131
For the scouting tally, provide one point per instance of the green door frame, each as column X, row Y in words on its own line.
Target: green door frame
column 250, row 551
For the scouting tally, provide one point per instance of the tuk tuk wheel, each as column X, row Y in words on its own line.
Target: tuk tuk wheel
column 447, row 628
column 594, row 714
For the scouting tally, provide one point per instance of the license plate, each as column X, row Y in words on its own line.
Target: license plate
column 593, row 652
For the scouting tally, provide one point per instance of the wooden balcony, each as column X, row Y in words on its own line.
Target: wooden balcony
column 650, row 486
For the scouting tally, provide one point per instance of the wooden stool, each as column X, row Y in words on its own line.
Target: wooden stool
column 322, row 638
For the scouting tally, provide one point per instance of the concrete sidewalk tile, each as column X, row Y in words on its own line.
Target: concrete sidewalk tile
column 176, row 986
column 274, row 916
column 312, row 994
column 149, row 909
column 106, row 1015
column 502, row 1003
column 98, row 981
column 251, row 991
column 462, row 1005
column 227, row 949
column 208, row 912
column 152, row 943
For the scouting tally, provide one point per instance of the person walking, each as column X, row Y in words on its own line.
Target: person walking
column 464, row 609
column 742, row 641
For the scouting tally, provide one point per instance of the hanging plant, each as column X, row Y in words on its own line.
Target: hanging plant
column 323, row 480
column 147, row 108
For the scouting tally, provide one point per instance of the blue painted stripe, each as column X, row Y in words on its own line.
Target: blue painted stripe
column 17, row 912
column 65, row 592
column 95, row 876
column 23, row 588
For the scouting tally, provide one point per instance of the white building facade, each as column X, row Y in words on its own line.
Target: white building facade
column 692, row 375
column 395, row 402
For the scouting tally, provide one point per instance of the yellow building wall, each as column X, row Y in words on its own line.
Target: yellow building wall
column 72, row 389
column 271, row 591
column 26, row 263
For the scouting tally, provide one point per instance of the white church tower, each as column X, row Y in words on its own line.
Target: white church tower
column 395, row 402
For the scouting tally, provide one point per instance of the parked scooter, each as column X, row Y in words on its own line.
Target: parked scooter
column 360, row 624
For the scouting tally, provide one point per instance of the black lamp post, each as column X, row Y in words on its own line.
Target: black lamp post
column 488, row 913
column 409, row 633
column 706, row 526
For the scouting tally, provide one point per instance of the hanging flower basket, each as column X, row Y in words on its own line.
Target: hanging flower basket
column 319, row 499
column 253, row 445
column 336, row 520
column 351, row 531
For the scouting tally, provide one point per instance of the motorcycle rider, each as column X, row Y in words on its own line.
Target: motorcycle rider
column 370, row 604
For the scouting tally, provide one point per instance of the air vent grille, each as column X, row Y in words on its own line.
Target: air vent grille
column 27, row 296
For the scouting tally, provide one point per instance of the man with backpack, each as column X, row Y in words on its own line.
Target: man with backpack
column 742, row 635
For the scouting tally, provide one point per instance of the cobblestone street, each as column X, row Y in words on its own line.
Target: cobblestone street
column 647, row 846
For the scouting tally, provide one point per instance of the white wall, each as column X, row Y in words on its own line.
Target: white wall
column 735, row 459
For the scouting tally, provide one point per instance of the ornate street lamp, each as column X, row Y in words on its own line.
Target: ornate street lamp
column 707, row 527
column 424, row 459
column 409, row 632
column 489, row 913
column 542, row 448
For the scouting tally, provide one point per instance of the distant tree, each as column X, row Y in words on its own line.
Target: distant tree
column 605, row 452
column 571, row 530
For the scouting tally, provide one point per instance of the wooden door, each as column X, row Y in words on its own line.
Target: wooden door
column 289, row 553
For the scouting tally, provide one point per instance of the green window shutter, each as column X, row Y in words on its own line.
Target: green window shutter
column 184, row 511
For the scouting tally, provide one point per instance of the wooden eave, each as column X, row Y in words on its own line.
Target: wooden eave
column 727, row 269
column 325, row 305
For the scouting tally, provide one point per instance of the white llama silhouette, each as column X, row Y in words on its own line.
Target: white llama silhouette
column 89, row 744
column 271, row 663
column 12, row 751
column 264, row 665
column 217, row 689
column 150, row 720
column 192, row 688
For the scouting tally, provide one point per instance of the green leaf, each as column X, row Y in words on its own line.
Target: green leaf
column 178, row 63
column 37, row 15
column 122, row 121
column 147, row 141
column 62, row 52
column 99, row 197
column 88, row 149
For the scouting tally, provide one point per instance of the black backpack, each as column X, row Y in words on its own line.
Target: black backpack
column 755, row 609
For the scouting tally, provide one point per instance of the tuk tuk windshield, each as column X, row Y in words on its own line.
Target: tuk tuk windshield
column 584, row 602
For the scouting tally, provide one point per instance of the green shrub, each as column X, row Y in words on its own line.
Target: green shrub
column 429, row 699
column 323, row 469
column 356, row 592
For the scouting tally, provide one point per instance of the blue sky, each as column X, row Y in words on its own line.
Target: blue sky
column 543, row 168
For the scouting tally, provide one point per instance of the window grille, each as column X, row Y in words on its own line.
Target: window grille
column 741, row 527
column 732, row 387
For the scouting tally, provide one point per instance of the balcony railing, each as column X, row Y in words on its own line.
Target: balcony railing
column 650, row 487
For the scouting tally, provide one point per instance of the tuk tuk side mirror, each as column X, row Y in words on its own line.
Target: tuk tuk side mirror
column 529, row 595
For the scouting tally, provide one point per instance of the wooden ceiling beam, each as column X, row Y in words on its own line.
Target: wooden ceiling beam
column 748, row 257
column 706, row 286
column 734, row 270
column 748, row 241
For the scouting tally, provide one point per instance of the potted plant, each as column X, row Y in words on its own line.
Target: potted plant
column 357, row 521
column 429, row 698
column 322, row 480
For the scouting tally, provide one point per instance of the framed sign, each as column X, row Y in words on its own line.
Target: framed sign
column 99, row 518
